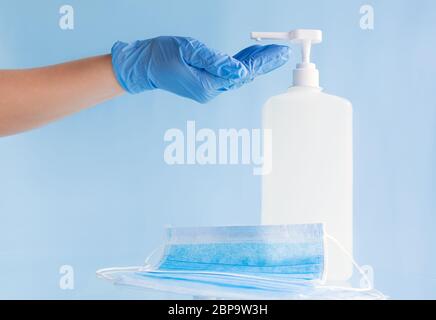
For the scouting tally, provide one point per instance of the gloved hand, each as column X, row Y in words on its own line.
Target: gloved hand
column 188, row 68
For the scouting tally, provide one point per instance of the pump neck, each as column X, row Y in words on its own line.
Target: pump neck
column 306, row 75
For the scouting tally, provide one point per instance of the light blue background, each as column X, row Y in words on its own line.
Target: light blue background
column 93, row 191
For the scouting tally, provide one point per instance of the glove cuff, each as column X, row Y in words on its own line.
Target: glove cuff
column 130, row 66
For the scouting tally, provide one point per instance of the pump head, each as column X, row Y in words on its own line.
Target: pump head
column 305, row 74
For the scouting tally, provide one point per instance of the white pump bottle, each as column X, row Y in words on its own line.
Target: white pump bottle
column 311, row 179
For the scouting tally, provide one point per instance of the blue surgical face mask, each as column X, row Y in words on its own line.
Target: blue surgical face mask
column 293, row 251
column 284, row 261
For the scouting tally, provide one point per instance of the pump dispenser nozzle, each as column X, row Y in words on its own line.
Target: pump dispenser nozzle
column 305, row 73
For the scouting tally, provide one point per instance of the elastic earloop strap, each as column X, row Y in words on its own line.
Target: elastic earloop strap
column 108, row 272
column 153, row 254
column 350, row 257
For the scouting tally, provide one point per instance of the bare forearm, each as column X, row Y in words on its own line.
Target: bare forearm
column 31, row 98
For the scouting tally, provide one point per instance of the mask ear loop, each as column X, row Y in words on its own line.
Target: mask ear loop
column 147, row 264
column 353, row 261
column 107, row 273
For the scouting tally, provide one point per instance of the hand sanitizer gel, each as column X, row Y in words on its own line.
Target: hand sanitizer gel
column 311, row 180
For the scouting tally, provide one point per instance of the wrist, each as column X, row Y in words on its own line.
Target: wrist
column 130, row 64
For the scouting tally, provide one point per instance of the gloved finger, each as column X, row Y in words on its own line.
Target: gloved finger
column 263, row 59
column 258, row 60
column 247, row 52
column 198, row 55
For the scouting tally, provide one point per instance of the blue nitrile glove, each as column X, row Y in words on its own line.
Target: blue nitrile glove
column 188, row 68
